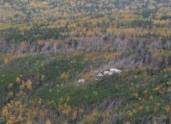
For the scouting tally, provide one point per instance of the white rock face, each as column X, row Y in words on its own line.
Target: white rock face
column 110, row 73
column 115, row 70
column 100, row 75
column 81, row 81
column 106, row 72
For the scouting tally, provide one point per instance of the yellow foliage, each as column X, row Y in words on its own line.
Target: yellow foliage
column 91, row 118
column 48, row 122
column 10, row 56
column 106, row 118
column 18, row 79
column 167, row 108
column 89, row 75
column 29, row 122
column 111, row 55
column 17, row 112
column 103, row 55
column 43, row 5
column 127, row 122
column 64, row 76
column 67, row 110
column 28, row 85
column 168, row 69
column 24, row 84
column 92, row 55
column 6, row 60
column 130, row 113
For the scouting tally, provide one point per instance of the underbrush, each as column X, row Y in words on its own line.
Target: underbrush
column 131, row 97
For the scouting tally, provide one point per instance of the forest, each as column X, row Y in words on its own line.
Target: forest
column 85, row 62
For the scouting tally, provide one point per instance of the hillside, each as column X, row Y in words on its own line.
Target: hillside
column 56, row 58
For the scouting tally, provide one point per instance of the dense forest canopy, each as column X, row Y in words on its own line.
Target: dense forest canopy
column 56, row 58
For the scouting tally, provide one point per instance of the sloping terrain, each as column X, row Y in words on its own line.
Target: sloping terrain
column 52, row 51
column 48, row 86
